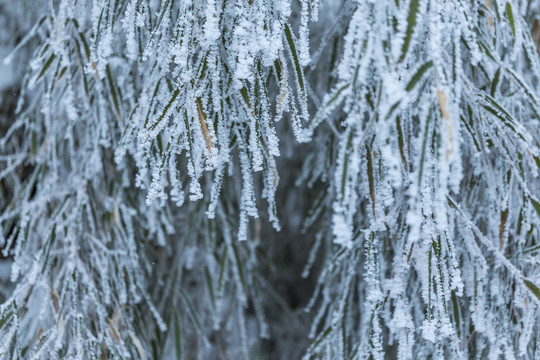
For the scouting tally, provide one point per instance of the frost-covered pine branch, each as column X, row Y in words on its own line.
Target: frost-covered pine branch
column 433, row 190
column 143, row 211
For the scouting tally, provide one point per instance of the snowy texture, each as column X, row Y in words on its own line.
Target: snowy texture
column 157, row 147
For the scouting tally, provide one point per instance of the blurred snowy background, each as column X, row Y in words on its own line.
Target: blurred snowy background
column 7, row 79
column 10, row 31
column 16, row 19
column 6, row 72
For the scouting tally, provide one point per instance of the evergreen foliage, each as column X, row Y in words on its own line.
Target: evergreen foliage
column 259, row 179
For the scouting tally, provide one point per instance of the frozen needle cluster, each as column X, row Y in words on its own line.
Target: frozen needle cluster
column 141, row 207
